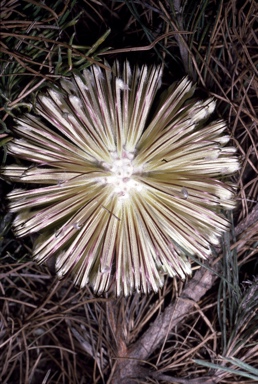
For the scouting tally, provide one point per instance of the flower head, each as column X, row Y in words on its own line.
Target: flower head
column 125, row 195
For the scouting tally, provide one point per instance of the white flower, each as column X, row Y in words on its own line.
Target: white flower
column 125, row 193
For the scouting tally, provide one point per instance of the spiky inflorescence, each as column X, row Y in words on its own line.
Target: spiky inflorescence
column 127, row 197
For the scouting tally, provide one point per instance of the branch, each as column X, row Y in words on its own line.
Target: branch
column 194, row 290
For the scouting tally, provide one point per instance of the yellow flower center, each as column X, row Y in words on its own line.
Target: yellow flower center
column 122, row 175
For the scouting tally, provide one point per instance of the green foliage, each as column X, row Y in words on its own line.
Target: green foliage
column 36, row 47
column 249, row 371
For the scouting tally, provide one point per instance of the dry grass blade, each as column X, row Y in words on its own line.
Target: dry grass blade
column 36, row 47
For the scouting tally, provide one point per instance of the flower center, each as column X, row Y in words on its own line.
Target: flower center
column 122, row 171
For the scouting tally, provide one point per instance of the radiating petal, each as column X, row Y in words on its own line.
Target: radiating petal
column 121, row 197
